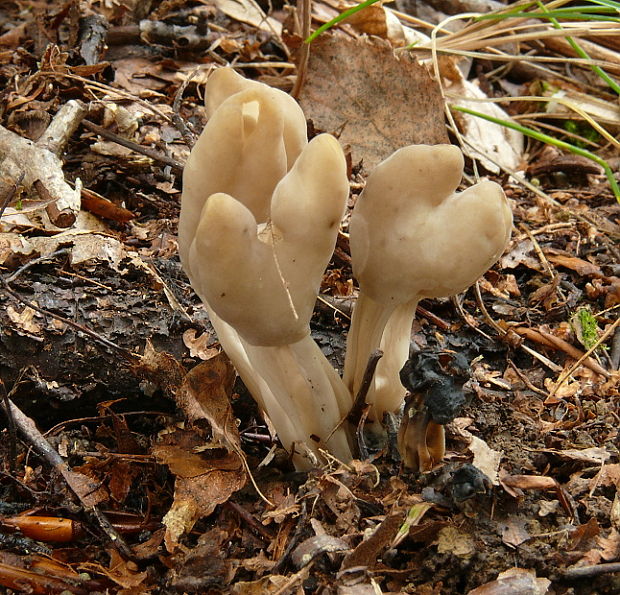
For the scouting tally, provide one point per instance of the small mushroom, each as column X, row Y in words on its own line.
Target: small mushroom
column 436, row 384
column 413, row 237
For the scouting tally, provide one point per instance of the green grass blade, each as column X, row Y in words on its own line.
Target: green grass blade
column 545, row 138
column 611, row 83
column 341, row 17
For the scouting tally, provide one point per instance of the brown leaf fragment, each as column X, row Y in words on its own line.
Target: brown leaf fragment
column 161, row 368
column 205, row 477
column 514, row 532
column 205, row 394
column 274, row 583
column 610, row 546
column 314, row 546
column 86, row 489
column 379, row 102
column 198, row 345
column 514, row 581
column 368, row 551
column 581, row 537
column 206, row 567
column 580, row 266
column 122, row 572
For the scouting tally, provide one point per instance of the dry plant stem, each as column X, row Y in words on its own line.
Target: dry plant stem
column 119, row 140
column 304, row 54
column 188, row 136
column 615, row 350
column 30, row 432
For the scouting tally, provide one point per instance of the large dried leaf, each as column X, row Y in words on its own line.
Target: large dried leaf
column 206, row 473
column 380, row 102
column 205, row 394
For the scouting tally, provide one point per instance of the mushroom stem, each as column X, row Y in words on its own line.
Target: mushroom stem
column 367, row 325
column 296, row 375
column 421, row 441
column 377, row 326
column 386, row 392
column 235, row 348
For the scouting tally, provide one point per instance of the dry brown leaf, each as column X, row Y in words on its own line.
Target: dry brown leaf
column 274, row 583
column 314, row 546
column 205, row 394
column 161, row 368
column 514, row 532
column 198, row 345
column 380, row 102
column 485, row 458
column 24, row 319
column 594, row 455
column 610, row 546
column 514, row 581
column 206, row 474
column 580, row 266
column 122, row 572
column 367, row 552
column 582, row 536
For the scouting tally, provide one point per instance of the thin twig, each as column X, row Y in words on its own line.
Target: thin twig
column 250, row 520
column 188, row 136
column 539, row 252
column 591, row 571
column 11, row 428
column 299, row 529
column 527, row 381
column 360, row 398
column 304, row 52
column 359, row 434
column 585, row 357
column 33, row 262
column 119, row 140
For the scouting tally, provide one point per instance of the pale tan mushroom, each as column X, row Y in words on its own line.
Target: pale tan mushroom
column 413, row 237
column 255, row 241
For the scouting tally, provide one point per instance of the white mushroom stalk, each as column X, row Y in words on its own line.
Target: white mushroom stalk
column 255, row 241
column 413, row 237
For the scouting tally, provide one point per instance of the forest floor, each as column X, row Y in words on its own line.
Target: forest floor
column 111, row 483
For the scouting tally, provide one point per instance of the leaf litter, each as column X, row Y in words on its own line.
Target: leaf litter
column 163, row 460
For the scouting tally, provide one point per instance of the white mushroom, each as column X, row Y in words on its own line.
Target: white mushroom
column 413, row 237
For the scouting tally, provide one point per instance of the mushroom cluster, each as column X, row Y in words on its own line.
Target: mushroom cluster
column 261, row 209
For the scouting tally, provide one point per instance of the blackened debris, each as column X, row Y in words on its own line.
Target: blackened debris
column 440, row 378
column 467, row 482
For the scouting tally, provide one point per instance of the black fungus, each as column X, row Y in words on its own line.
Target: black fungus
column 440, row 378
